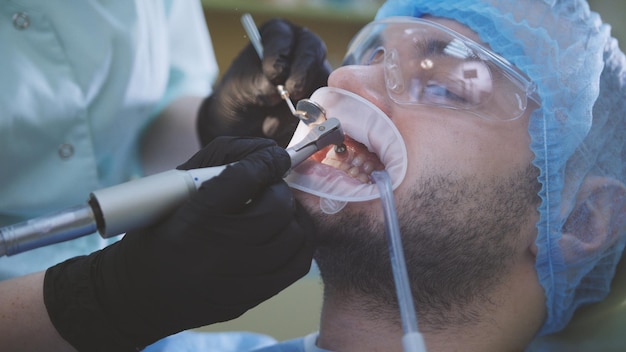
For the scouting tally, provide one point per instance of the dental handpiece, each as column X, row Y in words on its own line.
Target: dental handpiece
column 115, row 210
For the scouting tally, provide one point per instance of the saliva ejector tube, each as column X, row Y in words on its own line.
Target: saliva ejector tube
column 412, row 340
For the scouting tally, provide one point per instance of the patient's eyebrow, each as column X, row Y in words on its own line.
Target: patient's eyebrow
column 438, row 47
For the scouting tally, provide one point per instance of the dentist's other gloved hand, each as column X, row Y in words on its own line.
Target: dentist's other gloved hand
column 246, row 101
column 238, row 241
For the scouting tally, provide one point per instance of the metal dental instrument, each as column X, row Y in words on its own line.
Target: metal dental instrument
column 255, row 38
column 310, row 112
column 313, row 112
column 306, row 110
column 318, row 137
column 115, row 210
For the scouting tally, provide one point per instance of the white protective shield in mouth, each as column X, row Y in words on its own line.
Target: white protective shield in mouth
column 362, row 122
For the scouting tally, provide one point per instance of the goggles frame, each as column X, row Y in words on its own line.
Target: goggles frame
column 497, row 90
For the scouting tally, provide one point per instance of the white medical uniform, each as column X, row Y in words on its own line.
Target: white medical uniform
column 79, row 82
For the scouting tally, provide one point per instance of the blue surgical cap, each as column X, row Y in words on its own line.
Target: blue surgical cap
column 577, row 135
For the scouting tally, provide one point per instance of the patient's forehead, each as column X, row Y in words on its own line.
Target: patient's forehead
column 469, row 33
column 401, row 35
column 457, row 27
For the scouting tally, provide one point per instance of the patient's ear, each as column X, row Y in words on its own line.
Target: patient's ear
column 598, row 218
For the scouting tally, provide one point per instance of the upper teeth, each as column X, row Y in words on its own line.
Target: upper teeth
column 358, row 166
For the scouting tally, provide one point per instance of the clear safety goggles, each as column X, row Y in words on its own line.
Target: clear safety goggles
column 426, row 63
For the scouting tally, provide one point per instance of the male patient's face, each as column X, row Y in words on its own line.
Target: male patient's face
column 469, row 191
column 452, row 144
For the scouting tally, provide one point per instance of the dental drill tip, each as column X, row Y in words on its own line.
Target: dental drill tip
column 340, row 148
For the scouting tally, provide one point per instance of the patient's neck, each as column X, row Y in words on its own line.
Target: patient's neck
column 348, row 326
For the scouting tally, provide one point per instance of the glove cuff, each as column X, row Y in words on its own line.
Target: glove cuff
column 72, row 304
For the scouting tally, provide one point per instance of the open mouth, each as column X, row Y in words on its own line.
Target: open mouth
column 353, row 158
column 372, row 143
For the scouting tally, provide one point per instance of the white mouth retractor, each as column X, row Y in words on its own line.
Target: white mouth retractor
column 363, row 122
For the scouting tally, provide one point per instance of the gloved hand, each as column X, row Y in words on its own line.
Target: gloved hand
column 246, row 101
column 238, row 241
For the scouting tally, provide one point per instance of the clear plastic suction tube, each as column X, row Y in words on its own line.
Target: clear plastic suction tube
column 412, row 339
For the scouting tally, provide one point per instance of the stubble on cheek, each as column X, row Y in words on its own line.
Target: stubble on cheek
column 458, row 237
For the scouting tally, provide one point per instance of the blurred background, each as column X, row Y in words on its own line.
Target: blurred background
column 295, row 311
column 336, row 21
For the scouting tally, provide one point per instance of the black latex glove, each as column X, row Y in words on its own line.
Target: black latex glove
column 246, row 102
column 216, row 257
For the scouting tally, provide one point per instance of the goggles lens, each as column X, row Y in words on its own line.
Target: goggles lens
column 428, row 64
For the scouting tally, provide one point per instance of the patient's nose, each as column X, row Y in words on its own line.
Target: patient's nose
column 366, row 81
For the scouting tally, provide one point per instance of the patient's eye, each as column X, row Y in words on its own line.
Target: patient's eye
column 439, row 93
column 376, row 56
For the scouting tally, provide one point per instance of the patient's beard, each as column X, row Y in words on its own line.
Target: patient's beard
column 459, row 240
